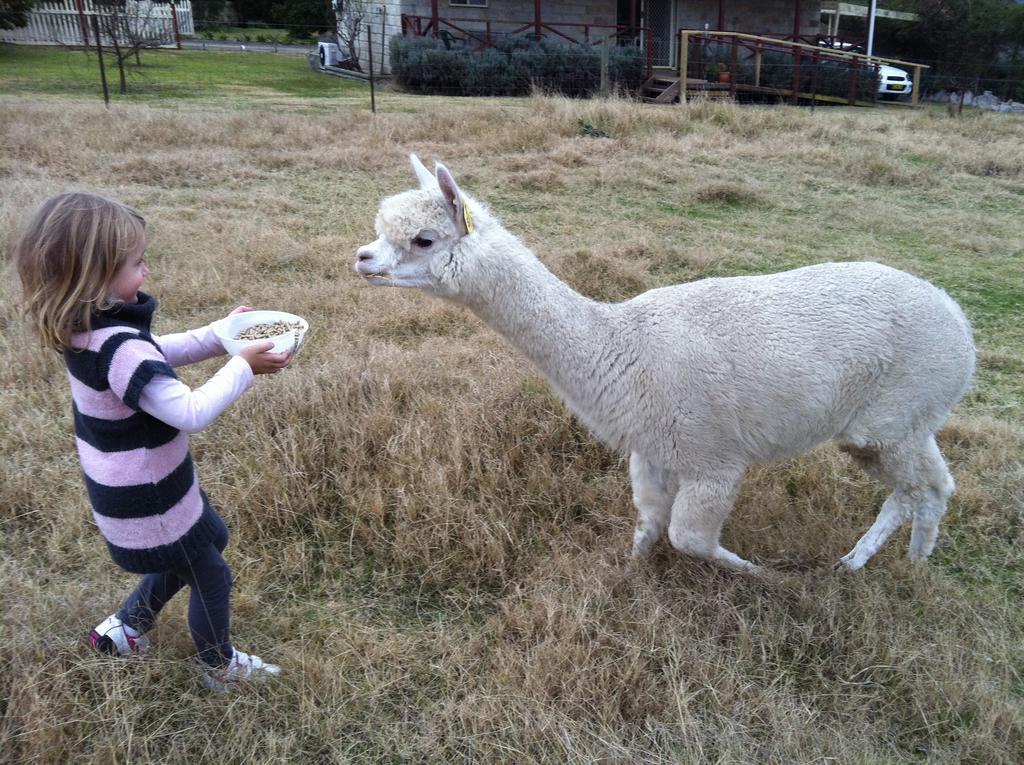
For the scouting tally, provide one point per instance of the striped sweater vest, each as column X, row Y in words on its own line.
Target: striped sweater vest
column 139, row 474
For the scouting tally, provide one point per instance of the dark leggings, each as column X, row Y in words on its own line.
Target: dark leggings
column 209, row 608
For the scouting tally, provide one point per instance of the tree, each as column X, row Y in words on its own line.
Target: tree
column 208, row 10
column 303, row 17
column 351, row 23
column 14, row 13
column 962, row 39
column 127, row 26
column 252, row 10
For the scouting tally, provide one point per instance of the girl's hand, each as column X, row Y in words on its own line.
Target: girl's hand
column 263, row 363
column 241, row 309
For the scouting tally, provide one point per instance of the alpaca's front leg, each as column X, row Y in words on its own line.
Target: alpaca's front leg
column 653, row 490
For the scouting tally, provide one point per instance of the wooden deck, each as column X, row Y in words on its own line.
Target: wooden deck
column 664, row 89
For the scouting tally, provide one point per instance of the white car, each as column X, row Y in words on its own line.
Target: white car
column 893, row 82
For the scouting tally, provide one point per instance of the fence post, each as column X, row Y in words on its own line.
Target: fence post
column 174, row 21
column 369, row 55
column 383, row 35
column 814, row 80
column 82, row 23
column 684, row 63
column 733, row 68
column 917, row 86
column 796, row 74
column 604, row 68
column 99, row 55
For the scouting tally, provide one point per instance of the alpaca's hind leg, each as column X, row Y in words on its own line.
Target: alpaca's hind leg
column 933, row 505
column 922, row 483
column 698, row 513
column 653, row 490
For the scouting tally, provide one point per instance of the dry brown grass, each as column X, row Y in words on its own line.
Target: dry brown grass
column 435, row 551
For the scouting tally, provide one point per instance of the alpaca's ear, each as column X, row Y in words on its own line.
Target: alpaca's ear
column 424, row 176
column 453, row 198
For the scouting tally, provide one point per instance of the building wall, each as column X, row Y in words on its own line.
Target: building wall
column 384, row 23
column 505, row 16
column 752, row 16
column 552, row 11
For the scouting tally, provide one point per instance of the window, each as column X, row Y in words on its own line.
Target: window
column 469, row 3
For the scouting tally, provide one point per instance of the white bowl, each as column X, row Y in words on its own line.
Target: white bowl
column 228, row 329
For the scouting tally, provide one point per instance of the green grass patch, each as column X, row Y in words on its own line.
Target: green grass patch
column 169, row 74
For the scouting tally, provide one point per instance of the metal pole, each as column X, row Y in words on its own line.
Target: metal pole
column 871, row 27
column 369, row 53
column 99, row 52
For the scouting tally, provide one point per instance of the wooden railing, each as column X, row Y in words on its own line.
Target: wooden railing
column 754, row 46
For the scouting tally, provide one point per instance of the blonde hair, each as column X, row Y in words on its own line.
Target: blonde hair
column 67, row 258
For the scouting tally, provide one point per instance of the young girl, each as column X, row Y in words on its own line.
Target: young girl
column 82, row 261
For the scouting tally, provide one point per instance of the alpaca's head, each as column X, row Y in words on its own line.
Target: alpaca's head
column 419, row 233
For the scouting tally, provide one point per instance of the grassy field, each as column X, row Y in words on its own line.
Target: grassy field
column 434, row 550
column 172, row 75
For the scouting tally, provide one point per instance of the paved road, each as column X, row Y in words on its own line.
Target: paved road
column 257, row 47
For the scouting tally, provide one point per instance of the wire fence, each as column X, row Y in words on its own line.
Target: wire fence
column 511, row 66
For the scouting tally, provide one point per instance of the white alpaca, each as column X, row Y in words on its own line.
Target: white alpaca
column 698, row 381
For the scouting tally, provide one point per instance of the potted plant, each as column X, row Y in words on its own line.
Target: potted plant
column 724, row 75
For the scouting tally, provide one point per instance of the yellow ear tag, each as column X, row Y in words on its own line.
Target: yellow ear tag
column 467, row 217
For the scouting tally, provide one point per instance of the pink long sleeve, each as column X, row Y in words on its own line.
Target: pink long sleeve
column 173, row 402
column 183, row 348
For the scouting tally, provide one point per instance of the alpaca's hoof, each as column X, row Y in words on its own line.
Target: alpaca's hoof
column 845, row 565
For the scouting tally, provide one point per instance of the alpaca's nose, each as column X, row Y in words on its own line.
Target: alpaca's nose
column 364, row 259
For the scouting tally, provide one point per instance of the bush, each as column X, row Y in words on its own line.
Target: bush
column 511, row 68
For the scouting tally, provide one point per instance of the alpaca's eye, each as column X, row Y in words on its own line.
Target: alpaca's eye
column 421, row 242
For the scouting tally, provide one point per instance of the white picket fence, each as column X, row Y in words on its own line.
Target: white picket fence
column 61, row 22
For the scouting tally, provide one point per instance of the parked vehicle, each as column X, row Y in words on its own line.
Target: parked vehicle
column 893, row 82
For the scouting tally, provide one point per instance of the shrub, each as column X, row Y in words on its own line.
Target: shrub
column 512, row 67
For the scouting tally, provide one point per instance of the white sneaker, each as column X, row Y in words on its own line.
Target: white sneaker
column 242, row 667
column 114, row 637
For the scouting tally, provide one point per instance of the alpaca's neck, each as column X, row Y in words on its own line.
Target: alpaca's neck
column 563, row 333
